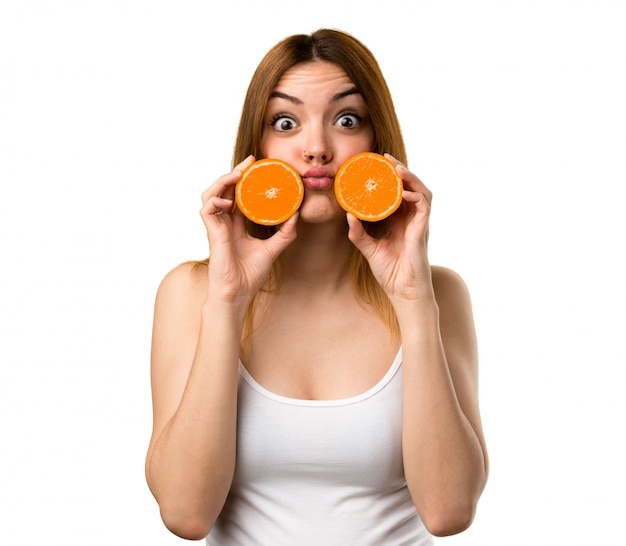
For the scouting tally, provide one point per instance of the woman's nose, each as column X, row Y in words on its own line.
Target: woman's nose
column 318, row 149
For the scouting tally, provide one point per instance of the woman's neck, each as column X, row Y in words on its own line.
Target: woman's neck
column 320, row 256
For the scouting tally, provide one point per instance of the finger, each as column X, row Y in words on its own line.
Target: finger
column 394, row 160
column 215, row 207
column 416, row 197
column 225, row 184
column 357, row 234
column 245, row 163
column 421, row 210
column 285, row 235
column 230, row 190
column 411, row 181
column 220, row 185
column 413, row 184
column 409, row 177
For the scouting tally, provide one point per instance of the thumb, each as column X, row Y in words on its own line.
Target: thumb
column 285, row 235
column 358, row 236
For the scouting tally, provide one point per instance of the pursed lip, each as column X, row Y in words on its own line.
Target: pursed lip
column 317, row 172
column 318, row 178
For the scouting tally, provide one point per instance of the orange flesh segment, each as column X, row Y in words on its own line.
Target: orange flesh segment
column 368, row 186
column 269, row 192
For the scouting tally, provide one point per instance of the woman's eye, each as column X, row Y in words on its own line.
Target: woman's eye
column 282, row 123
column 349, row 121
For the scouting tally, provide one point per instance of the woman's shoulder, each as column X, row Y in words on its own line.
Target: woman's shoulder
column 449, row 286
column 446, row 276
column 186, row 281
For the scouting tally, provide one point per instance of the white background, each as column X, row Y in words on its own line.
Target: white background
column 114, row 117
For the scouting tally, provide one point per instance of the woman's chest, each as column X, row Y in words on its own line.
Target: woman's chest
column 320, row 355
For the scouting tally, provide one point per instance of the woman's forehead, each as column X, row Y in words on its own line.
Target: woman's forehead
column 314, row 74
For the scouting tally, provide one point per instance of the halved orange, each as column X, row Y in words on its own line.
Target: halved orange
column 368, row 186
column 269, row 192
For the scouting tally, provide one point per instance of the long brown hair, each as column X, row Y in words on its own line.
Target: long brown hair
column 362, row 68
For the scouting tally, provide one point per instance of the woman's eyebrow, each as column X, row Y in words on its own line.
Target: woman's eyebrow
column 279, row 95
column 343, row 94
column 296, row 100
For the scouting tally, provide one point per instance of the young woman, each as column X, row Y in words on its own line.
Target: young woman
column 316, row 383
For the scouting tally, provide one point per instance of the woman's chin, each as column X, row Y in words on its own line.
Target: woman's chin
column 319, row 211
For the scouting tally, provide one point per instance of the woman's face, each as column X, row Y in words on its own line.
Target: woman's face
column 315, row 121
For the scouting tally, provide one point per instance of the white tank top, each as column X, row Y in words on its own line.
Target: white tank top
column 320, row 472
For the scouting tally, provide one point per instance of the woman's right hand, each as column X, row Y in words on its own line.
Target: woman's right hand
column 239, row 263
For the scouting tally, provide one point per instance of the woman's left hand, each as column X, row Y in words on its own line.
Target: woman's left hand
column 399, row 259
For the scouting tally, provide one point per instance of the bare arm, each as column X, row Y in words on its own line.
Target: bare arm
column 198, row 320
column 444, row 452
column 191, row 457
